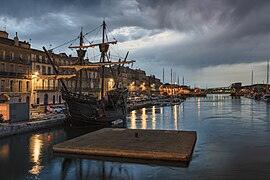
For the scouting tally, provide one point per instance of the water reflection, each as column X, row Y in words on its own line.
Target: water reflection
column 133, row 120
column 230, row 131
column 153, row 117
column 4, row 151
column 219, row 103
column 35, row 147
column 93, row 169
column 175, row 116
column 199, row 107
column 144, row 118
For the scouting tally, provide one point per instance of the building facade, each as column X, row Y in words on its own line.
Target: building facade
column 27, row 76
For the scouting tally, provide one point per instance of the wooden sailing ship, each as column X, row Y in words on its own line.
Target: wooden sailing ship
column 86, row 109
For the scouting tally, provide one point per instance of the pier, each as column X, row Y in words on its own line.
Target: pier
column 9, row 129
column 165, row 145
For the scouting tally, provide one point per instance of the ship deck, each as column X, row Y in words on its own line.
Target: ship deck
column 158, row 145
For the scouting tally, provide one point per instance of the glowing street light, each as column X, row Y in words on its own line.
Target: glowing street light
column 35, row 74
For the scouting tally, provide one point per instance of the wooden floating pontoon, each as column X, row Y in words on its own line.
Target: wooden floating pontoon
column 160, row 145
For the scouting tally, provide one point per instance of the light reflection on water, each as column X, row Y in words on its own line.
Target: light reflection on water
column 233, row 143
column 35, row 148
column 4, row 151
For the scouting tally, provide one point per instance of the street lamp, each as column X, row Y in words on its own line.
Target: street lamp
column 35, row 74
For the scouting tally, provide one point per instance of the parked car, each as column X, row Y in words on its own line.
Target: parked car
column 63, row 108
column 54, row 109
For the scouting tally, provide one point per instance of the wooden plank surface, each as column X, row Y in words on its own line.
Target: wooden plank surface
column 133, row 143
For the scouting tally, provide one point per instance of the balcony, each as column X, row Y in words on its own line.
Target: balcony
column 13, row 75
column 15, row 60
column 40, row 88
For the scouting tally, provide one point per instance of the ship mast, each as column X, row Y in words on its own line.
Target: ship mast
column 81, row 54
column 103, row 48
column 81, row 62
column 267, row 78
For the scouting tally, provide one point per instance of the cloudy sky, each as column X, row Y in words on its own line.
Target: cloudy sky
column 209, row 42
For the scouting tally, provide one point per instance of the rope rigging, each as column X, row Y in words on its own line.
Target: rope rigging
column 78, row 37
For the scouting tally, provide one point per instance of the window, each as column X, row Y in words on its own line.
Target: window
column 37, row 100
column 43, row 69
column 38, row 68
column 3, row 67
column 2, row 54
column 49, row 70
column 27, row 70
column 11, row 68
column 40, row 58
column 20, row 56
column 20, row 69
column 20, row 86
column 2, row 85
column 11, row 84
column 12, row 55
column 33, row 57
column 27, row 86
column 28, row 59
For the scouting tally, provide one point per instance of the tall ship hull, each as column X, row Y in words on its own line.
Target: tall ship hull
column 85, row 110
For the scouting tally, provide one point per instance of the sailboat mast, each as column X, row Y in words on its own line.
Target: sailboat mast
column 103, row 60
column 183, row 80
column 267, row 78
column 163, row 76
column 252, row 77
column 171, row 75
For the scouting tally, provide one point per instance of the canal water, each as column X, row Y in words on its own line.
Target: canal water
column 233, row 143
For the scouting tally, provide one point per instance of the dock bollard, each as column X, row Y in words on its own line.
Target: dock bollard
column 136, row 134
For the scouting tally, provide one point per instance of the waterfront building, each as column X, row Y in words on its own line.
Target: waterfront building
column 15, row 82
column 174, row 89
column 137, row 82
column 15, row 67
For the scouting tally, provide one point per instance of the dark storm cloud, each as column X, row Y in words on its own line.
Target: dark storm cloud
column 226, row 32
column 220, row 31
column 32, row 8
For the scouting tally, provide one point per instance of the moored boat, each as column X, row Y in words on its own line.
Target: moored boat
column 86, row 109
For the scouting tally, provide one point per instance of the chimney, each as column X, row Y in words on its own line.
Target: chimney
column 16, row 40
